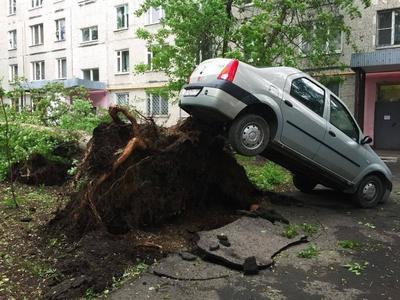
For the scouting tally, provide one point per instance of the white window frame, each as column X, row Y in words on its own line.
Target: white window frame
column 125, row 16
column 12, row 72
column 91, row 73
column 337, row 50
column 150, row 13
column 149, row 59
column 36, row 3
column 90, row 29
column 303, row 45
column 37, row 28
column 150, row 108
column 61, row 64
column 120, row 61
column 12, row 7
column 392, row 28
column 120, row 95
column 41, row 65
column 60, row 30
column 12, row 39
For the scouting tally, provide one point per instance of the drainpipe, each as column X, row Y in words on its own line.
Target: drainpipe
column 360, row 97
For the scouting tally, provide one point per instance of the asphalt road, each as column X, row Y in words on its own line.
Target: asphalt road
column 324, row 276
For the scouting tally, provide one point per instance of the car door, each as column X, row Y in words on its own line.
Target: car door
column 303, row 109
column 341, row 151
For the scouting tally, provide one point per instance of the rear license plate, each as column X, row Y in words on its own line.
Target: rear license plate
column 191, row 92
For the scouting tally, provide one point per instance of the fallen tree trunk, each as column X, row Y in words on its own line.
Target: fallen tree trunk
column 142, row 174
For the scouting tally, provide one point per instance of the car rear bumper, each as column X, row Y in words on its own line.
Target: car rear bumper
column 211, row 104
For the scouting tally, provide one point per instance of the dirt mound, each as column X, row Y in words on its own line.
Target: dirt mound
column 136, row 175
column 37, row 170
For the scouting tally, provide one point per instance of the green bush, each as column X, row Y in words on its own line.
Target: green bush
column 27, row 139
column 81, row 117
column 51, row 123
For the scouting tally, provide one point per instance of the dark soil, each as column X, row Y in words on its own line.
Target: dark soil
column 144, row 192
column 143, row 175
column 39, row 170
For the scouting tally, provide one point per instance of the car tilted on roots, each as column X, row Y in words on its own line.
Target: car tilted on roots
column 293, row 120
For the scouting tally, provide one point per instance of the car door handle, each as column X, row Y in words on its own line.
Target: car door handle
column 288, row 103
column 332, row 133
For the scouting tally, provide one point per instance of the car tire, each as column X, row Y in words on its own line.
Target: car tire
column 249, row 134
column 370, row 191
column 303, row 185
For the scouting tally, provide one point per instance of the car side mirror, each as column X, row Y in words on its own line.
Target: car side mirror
column 366, row 140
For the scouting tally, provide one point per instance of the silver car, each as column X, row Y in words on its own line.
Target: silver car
column 291, row 119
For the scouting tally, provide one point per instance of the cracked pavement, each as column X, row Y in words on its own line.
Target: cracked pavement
column 323, row 276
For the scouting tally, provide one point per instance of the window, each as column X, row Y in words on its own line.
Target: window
column 91, row 74
column 389, row 93
column 38, row 70
column 123, row 61
column 60, row 30
column 36, row 3
column 309, row 94
column 156, row 105
column 334, row 87
column 13, row 72
column 62, row 68
column 122, row 99
column 149, row 59
column 12, row 40
column 154, row 15
column 342, row 120
column 122, row 16
column 335, row 44
column 12, row 7
column 37, row 34
column 388, row 28
column 90, row 34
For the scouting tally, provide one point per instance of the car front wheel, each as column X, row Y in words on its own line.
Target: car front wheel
column 302, row 184
column 249, row 135
column 370, row 192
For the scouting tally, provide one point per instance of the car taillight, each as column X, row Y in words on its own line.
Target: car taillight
column 229, row 72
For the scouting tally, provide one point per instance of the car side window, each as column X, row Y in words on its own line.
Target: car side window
column 341, row 119
column 308, row 93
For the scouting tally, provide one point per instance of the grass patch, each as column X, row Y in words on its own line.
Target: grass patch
column 309, row 229
column 290, row 231
column 349, row 244
column 309, row 252
column 265, row 175
column 356, row 268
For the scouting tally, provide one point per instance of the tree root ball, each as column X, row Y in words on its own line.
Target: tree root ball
column 136, row 175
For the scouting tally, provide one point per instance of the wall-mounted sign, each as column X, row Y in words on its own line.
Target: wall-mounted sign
column 386, row 117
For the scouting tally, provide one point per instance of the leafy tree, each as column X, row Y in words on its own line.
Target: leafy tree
column 267, row 33
column 7, row 147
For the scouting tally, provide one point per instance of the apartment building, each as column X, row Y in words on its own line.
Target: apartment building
column 371, row 86
column 91, row 43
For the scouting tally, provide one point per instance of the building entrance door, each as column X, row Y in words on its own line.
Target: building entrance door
column 387, row 117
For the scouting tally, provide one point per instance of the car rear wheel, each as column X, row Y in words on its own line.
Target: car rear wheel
column 370, row 191
column 249, row 134
column 302, row 184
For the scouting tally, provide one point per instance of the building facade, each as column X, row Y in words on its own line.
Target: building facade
column 84, row 42
column 371, row 86
column 94, row 43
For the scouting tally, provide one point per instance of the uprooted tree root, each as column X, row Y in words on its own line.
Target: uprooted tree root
column 141, row 174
